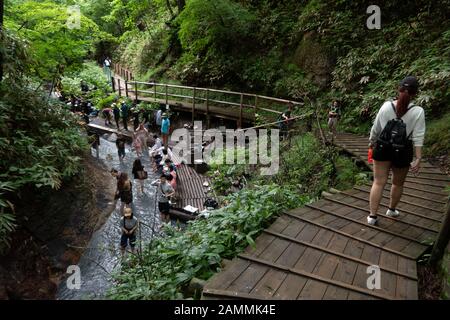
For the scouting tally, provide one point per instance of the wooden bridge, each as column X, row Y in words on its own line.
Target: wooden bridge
column 323, row 250
column 225, row 104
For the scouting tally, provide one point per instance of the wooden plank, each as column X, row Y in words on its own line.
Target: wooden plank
column 410, row 199
column 261, row 243
column 224, row 279
column 352, row 237
column 298, row 246
column 269, row 284
column 388, row 281
column 428, row 191
column 291, row 287
column 249, row 278
column 404, row 220
column 314, row 277
column 207, row 292
column 411, row 192
column 365, row 224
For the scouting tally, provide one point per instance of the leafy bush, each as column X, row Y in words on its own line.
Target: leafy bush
column 306, row 166
column 171, row 262
column 93, row 76
column 40, row 141
column 437, row 137
column 107, row 102
column 348, row 174
column 55, row 48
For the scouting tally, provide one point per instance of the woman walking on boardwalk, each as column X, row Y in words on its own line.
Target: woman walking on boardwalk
column 397, row 134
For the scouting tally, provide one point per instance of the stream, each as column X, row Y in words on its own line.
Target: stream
column 102, row 255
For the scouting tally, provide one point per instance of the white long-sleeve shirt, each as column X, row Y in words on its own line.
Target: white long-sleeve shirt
column 414, row 120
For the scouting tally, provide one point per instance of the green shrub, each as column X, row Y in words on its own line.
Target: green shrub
column 107, row 102
column 437, row 137
column 171, row 262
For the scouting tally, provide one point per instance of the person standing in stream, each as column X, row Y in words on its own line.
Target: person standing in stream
column 120, row 143
column 397, row 134
column 165, row 130
column 116, row 111
column 124, row 191
column 129, row 225
column 139, row 173
column 124, row 110
column 164, row 191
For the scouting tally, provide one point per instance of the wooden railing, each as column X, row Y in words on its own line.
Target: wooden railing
column 239, row 105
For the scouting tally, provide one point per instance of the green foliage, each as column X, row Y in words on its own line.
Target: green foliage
column 348, row 174
column 54, row 46
column 224, row 174
column 93, row 76
column 213, row 25
column 107, row 102
column 171, row 262
column 438, row 137
column 40, row 141
column 306, row 165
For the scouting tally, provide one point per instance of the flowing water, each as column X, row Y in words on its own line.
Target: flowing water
column 102, row 255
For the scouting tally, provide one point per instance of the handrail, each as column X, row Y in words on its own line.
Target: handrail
column 230, row 98
column 303, row 116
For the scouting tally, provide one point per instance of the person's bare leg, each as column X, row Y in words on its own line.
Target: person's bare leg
column 380, row 175
column 398, row 179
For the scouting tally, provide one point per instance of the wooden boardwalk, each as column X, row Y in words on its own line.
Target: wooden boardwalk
column 323, row 250
column 190, row 189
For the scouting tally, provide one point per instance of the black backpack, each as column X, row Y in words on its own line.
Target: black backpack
column 394, row 140
column 211, row 203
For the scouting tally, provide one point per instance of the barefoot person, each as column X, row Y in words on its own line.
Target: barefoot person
column 165, row 191
column 129, row 225
column 124, row 191
column 394, row 145
column 139, row 173
column 165, row 129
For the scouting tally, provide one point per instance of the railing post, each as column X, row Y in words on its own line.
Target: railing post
column 207, row 109
column 442, row 240
column 126, row 88
column 193, row 106
column 167, row 95
column 154, row 86
column 113, row 84
column 120, row 89
column 135, row 91
column 240, row 110
column 256, row 106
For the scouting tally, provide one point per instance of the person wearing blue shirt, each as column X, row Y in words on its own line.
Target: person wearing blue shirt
column 165, row 129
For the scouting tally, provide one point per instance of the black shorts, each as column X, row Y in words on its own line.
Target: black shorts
column 401, row 159
column 164, row 207
column 131, row 238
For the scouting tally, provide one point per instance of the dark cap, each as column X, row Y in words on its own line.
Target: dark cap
column 410, row 83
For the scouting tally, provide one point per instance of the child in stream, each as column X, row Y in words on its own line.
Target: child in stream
column 129, row 225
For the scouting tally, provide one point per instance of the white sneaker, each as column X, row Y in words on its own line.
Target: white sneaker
column 393, row 214
column 371, row 221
